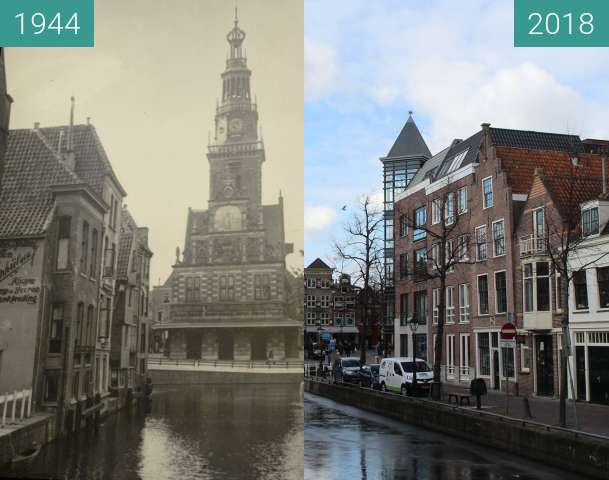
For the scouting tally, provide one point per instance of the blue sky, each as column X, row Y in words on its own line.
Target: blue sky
column 453, row 63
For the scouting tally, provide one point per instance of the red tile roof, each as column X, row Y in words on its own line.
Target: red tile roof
column 569, row 184
column 33, row 166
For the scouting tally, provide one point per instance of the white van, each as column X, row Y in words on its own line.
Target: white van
column 395, row 375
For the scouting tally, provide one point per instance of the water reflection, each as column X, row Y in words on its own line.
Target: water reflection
column 346, row 443
column 195, row 432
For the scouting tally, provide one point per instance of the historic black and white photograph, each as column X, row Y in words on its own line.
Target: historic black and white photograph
column 151, row 246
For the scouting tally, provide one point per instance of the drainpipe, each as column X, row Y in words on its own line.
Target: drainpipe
column 604, row 171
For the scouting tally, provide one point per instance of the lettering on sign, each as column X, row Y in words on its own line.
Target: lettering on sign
column 17, row 289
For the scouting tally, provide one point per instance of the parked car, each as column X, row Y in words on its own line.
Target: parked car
column 396, row 375
column 346, row 370
column 369, row 376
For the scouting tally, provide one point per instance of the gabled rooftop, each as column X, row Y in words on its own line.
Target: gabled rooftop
column 409, row 143
column 319, row 263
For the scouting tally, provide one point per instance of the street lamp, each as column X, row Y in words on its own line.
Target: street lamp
column 414, row 324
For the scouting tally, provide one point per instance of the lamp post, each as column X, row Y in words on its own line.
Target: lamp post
column 414, row 324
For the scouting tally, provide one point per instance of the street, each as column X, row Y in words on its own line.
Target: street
column 343, row 442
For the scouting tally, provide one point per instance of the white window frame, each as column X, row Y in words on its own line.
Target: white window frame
column 462, row 204
column 525, row 349
column 464, row 306
column 478, row 257
column 324, row 318
column 450, row 304
column 478, row 294
column 463, row 241
column 324, row 301
column 496, row 296
column 435, row 301
column 450, row 355
column 502, row 222
column 464, row 356
column 484, row 204
column 449, row 249
column 310, row 301
column 449, row 209
column 435, row 255
column 310, row 318
column 436, row 211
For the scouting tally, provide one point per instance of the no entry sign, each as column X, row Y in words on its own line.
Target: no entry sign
column 508, row 335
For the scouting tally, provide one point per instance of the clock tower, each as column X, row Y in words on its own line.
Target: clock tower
column 237, row 154
column 228, row 286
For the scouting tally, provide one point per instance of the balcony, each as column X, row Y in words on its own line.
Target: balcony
column 533, row 245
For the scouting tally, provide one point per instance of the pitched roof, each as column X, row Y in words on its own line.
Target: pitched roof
column 569, row 184
column 535, row 140
column 319, row 263
column 34, row 165
column 125, row 243
column 410, row 142
column 469, row 148
column 25, row 197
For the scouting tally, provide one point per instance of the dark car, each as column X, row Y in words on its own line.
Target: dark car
column 369, row 376
column 346, row 370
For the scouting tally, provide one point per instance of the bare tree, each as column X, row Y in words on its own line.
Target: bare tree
column 564, row 241
column 362, row 250
column 446, row 244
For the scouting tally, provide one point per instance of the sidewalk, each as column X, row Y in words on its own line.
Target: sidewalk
column 593, row 418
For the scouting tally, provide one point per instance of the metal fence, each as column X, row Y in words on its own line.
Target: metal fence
column 20, row 406
column 270, row 364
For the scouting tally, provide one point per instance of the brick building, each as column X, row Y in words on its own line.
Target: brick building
column 130, row 328
column 228, row 289
column 5, row 111
column 329, row 306
column 484, row 185
column 59, row 202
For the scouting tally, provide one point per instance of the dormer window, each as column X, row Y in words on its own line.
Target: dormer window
column 590, row 221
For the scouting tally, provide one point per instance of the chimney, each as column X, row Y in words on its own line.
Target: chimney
column 70, row 157
column 486, row 139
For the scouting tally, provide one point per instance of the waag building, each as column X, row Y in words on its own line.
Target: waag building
column 228, row 287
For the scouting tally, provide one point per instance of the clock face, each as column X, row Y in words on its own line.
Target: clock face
column 228, row 191
column 235, row 125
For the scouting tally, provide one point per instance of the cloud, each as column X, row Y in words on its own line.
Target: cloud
column 318, row 217
column 321, row 71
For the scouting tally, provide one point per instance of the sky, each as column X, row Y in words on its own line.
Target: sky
column 453, row 63
column 150, row 86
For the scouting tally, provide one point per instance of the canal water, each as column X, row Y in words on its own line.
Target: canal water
column 345, row 443
column 189, row 432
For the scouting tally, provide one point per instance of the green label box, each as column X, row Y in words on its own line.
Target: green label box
column 46, row 23
column 561, row 23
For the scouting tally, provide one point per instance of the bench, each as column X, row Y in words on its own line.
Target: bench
column 459, row 398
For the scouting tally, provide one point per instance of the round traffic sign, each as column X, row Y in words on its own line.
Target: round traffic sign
column 508, row 331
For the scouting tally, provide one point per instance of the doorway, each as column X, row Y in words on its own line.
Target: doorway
column 545, row 365
column 496, row 381
column 258, row 340
column 598, row 362
column 193, row 345
column 226, row 345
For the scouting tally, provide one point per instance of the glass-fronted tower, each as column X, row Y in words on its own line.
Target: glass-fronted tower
column 405, row 157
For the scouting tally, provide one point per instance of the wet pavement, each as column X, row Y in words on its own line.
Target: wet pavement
column 343, row 442
column 189, row 432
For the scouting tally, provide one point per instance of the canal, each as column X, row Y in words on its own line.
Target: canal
column 343, row 442
column 189, row 432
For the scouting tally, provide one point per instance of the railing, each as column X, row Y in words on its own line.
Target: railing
column 225, row 363
column 532, row 245
column 24, row 398
column 475, row 413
